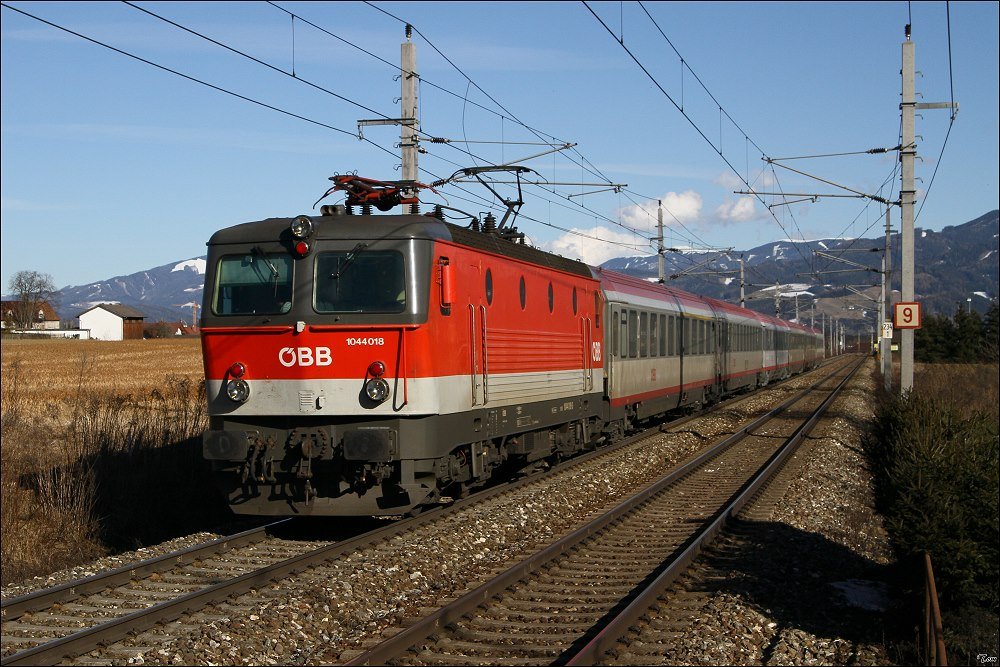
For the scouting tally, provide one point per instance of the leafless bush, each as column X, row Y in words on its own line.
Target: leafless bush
column 96, row 470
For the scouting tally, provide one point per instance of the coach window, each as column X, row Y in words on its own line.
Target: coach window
column 523, row 292
column 662, row 337
column 489, row 287
column 654, row 335
column 644, row 335
column 633, row 334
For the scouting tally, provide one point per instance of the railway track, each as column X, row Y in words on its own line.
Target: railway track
column 75, row 618
column 573, row 601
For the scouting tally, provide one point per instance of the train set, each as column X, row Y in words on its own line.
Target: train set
column 361, row 364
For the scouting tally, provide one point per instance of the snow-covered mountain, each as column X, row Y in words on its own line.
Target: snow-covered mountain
column 952, row 265
column 163, row 293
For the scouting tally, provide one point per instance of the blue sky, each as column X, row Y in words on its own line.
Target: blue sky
column 111, row 165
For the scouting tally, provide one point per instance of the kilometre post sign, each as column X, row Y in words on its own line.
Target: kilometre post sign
column 906, row 315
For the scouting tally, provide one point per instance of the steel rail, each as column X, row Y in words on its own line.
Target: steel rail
column 46, row 597
column 427, row 626
column 618, row 626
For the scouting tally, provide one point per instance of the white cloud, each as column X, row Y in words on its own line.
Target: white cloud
column 739, row 210
column 684, row 207
column 593, row 248
column 730, row 181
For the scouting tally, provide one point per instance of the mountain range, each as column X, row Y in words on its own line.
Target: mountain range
column 954, row 265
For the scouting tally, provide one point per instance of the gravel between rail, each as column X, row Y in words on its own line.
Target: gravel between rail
column 312, row 618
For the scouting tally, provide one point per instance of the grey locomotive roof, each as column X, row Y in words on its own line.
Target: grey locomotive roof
column 349, row 227
column 336, row 227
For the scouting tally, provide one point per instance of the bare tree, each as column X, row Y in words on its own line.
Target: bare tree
column 30, row 290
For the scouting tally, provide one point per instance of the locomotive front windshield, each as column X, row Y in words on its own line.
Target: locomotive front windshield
column 360, row 281
column 254, row 283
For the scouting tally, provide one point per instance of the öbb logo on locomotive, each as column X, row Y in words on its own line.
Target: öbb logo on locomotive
column 503, row 357
column 304, row 356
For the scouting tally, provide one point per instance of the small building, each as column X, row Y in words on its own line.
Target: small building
column 163, row 329
column 112, row 321
column 45, row 318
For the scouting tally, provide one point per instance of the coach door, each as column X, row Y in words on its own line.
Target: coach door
column 720, row 338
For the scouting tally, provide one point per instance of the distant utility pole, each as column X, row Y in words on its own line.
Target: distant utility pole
column 907, row 196
column 743, row 296
column 659, row 242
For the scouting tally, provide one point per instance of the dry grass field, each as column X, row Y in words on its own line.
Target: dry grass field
column 54, row 369
column 100, row 449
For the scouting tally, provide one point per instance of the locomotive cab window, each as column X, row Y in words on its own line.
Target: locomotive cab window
column 255, row 283
column 359, row 281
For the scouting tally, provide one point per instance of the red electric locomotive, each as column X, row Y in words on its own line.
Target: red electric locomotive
column 371, row 364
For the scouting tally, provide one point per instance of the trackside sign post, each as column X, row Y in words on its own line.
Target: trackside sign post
column 906, row 315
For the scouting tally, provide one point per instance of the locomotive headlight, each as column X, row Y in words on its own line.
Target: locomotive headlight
column 302, row 227
column 377, row 389
column 238, row 390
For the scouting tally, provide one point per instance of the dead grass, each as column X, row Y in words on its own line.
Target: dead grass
column 100, row 449
column 53, row 367
column 967, row 387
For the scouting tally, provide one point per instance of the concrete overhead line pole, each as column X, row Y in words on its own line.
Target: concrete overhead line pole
column 907, row 197
column 410, row 119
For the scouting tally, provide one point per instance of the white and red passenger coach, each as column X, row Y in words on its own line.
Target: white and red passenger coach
column 371, row 364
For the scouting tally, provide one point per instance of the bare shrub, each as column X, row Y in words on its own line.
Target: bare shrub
column 935, row 457
column 46, row 515
column 91, row 464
